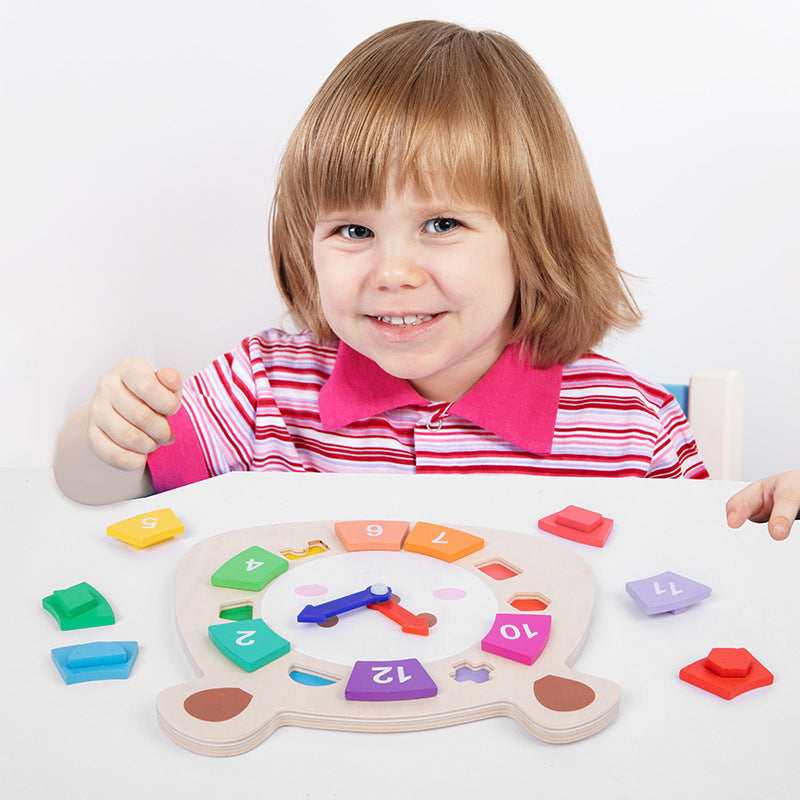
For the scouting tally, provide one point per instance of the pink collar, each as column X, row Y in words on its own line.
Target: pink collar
column 513, row 400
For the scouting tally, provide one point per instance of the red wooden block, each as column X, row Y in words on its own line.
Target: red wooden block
column 705, row 673
column 579, row 518
column 578, row 525
column 729, row 662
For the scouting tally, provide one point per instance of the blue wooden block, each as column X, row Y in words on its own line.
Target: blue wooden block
column 95, row 661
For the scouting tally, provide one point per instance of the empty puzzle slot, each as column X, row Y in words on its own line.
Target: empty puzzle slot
column 309, row 677
column 236, row 612
column 313, row 549
column 499, row 569
column 529, row 602
column 470, row 672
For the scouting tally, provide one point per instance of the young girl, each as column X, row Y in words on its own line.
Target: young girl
column 436, row 235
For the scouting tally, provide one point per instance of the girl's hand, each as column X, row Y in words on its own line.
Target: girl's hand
column 775, row 499
column 128, row 413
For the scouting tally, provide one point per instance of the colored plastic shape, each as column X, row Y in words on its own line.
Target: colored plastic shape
column 250, row 644
column 311, row 549
column 448, row 544
column 519, row 637
column 95, row 661
column 147, row 529
column 236, row 613
column 309, row 678
column 377, row 593
column 666, row 592
column 405, row 679
column 466, row 673
column 499, row 570
column 529, row 602
column 250, row 570
column 578, row 525
column 379, row 534
column 79, row 606
column 408, row 622
column 729, row 662
column 721, row 672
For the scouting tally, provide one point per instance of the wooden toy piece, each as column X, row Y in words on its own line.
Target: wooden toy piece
column 729, row 662
column 95, row 661
column 79, row 606
column 250, row 570
column 389, row 680
column 147, row 529
column 520, row 637
column 578, row 525
column 372, row 534
column 408, row 622
column 376, row 593
column 727, row 672
column 449, row 677
column 449, row 544
column 251, row 644
column 667, row 592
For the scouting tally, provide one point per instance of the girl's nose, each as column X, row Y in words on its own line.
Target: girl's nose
column 397, row 271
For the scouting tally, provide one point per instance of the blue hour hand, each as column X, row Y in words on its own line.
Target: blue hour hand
column 377, row 593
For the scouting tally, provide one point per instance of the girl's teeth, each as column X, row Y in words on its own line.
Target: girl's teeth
column 408, row 319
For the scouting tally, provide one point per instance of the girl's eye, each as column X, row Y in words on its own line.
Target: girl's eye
column 355, row 232
column 441, row 225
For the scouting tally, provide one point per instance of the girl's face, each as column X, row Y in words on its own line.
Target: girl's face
column 424, row 287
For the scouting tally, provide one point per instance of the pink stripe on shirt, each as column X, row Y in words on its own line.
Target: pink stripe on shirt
column 290, row 403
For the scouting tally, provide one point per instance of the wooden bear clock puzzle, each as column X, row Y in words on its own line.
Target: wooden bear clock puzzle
column 378, row 625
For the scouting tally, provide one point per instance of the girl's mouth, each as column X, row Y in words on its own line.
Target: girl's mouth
column 406, row 319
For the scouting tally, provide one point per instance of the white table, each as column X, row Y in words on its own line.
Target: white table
column 670, row 740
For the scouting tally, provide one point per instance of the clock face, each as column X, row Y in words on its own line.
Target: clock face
column 457, row 602
column 283, row 626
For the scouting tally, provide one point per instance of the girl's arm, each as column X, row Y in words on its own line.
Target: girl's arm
column 775, row 500
column 101, row 451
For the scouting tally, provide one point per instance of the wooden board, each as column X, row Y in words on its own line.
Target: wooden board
column 230, row 710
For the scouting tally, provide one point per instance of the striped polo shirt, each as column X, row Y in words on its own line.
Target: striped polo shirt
column 286, row 402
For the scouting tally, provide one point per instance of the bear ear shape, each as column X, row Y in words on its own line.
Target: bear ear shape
column 563, row 694
column 217, row 705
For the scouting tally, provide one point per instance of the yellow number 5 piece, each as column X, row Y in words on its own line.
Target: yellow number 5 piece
column 147, row 529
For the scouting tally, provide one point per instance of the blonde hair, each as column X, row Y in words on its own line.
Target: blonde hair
column 431, row 102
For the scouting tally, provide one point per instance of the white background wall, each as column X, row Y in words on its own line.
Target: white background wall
column 139, row 143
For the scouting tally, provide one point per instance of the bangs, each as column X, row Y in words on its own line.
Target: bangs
column 424, row 115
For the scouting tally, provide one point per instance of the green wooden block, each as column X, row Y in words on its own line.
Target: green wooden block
column 251, row 644
column 74, row 601
column 79, row 606
column 250, row 570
